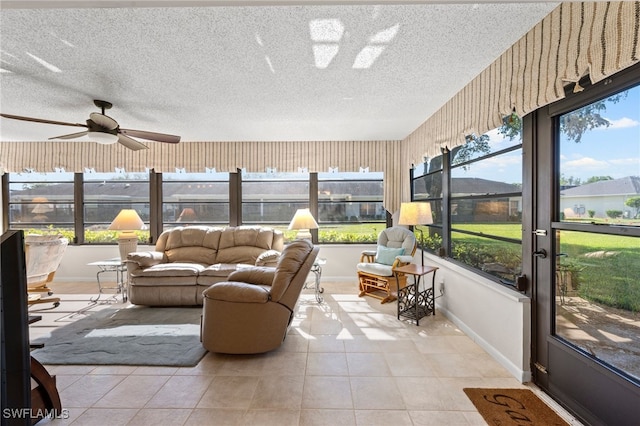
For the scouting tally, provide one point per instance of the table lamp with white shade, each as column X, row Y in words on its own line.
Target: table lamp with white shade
column 127, row 221
column 303, row 221
column 416, row 213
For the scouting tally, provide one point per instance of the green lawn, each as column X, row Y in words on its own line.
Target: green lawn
column 606, row 267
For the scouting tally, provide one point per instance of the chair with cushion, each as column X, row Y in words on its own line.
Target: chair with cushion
column 251, row 311
column 43, row 254
column 396, row 247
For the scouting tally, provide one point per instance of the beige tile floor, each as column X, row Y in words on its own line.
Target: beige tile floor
column 347, row 361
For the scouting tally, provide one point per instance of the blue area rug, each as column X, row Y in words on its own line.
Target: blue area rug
column 135, row 335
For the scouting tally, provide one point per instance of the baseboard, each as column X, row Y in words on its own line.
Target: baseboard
column 523, row 376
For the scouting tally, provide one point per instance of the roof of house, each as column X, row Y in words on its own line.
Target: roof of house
column 629, row 185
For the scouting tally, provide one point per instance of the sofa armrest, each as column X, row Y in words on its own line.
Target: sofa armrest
column 147, row 258
column 238, row 292
column 268, row 258
column 260, row 275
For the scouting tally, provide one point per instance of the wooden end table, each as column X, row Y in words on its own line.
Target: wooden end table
column 414, row 303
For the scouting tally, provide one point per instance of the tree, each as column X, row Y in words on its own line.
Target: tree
column 593, row 179
column 569, row 181
column 473, row 144
column 573, row 125
column 633, row 202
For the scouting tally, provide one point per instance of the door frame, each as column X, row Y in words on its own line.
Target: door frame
column 590, row 389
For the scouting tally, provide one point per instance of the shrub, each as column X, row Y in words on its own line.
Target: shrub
column 591, row 213
column 614, row 214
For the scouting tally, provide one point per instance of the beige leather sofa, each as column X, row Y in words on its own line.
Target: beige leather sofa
column 251, row 312
column 189, row 259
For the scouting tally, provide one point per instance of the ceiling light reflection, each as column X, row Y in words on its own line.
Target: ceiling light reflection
column 367, row 56
column 385, row 36
column 323, row 54
column 44, row 63
column 326, row 30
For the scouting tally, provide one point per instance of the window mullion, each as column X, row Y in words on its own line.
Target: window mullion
column 78, row 210
column 446, row 202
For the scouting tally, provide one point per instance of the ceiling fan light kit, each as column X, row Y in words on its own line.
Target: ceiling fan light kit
column 103, row 138
column 104, row 129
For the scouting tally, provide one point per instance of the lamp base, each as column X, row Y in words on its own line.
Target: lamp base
column 127, row 243
column 303, row 234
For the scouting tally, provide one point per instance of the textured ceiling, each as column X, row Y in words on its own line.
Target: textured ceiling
column 257, row 72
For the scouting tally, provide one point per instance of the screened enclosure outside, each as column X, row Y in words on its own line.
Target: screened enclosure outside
column 41, row 201
column 350, row 207
column 195, row 199
column 105, row 195
column 597, row 259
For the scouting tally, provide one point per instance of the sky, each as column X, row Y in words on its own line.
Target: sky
column 612, row 151
column 607, row 151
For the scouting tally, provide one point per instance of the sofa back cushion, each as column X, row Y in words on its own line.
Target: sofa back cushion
column 243, row 244
column 196, row 244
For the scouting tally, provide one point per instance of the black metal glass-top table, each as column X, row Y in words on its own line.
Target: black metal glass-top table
column 413, row 302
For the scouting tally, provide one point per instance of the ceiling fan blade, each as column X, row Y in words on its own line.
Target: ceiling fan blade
column 151, row 136
column 40, row 120
column 70, row 136
column 103, row 120
column 131, row 143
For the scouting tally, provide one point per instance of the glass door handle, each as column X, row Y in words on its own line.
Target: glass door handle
column 542, row 253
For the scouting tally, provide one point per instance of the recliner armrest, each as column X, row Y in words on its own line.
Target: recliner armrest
column 237, row 292
column 261, row 275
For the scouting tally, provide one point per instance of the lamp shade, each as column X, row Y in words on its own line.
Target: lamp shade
column 303, row 221
column 187, row 215
column 126, row 220
column 415, row 213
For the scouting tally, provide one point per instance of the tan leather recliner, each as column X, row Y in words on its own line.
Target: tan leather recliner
column 251, row 312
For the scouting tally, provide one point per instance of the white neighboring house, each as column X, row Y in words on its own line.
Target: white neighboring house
column 600, row 196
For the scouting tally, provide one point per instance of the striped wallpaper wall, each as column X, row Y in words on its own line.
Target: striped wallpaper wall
column 576, row 39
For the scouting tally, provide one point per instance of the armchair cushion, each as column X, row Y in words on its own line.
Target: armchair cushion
column 387, row 255
column 375, row 269
column 405, row 259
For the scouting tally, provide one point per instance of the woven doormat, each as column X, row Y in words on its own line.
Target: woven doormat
column 500, row 407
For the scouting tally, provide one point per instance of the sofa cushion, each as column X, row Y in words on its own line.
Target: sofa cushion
column 197, row 244
column 175, row 269
column 168, row 281
column 243, row 244
column 219, row 270
column 239, row 254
